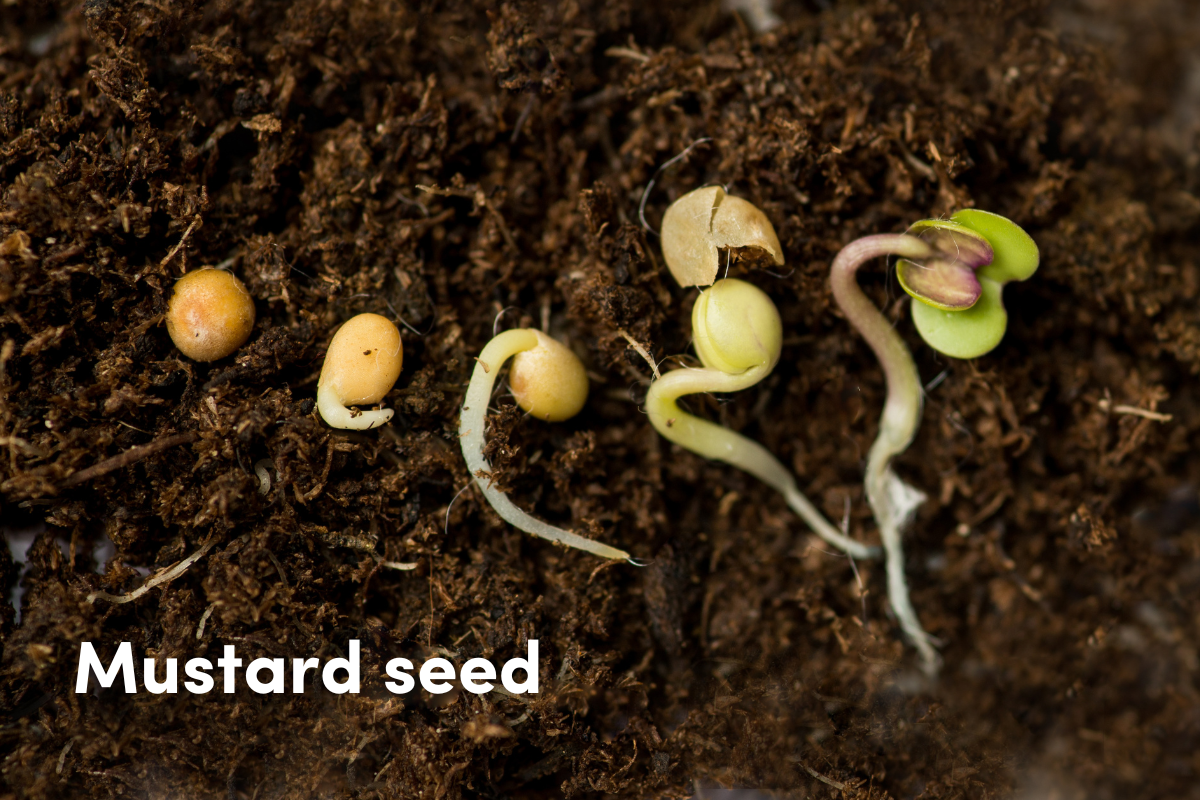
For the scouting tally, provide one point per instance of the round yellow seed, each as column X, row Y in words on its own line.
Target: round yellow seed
column 210, row 314
column 736, row 326
column 549, row 381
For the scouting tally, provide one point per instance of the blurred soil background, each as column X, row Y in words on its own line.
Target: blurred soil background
column 448, row 163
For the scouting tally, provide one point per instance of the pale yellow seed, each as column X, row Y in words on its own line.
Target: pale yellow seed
column 210, row 314
column 363, row 360
column 549, row 381
column 705, row 221
column 736, row 326
column 361, row 367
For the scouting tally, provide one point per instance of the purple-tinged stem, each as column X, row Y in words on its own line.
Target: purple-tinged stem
column 892, row 501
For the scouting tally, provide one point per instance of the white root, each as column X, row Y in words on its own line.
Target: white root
column 264, row 477
column 471, row 434
column 335, row 413
column 162, row 576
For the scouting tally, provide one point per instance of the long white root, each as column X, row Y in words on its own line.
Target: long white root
column 471, row 435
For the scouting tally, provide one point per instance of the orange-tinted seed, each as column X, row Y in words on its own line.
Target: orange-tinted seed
column 210, row 314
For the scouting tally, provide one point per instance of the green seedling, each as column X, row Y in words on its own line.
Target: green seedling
column 956, row 271
column 961, row 310
column 549, row 382
column 738, row 336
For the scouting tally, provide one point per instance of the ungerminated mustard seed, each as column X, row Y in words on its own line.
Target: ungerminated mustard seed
column 210, row 314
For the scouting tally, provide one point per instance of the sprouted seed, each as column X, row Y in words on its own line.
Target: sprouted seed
column 738, row 336
column 361, row 366
column 549, row 382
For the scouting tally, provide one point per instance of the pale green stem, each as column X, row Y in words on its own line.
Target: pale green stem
column 892, row 501
column 471, row 434
column 721, row 444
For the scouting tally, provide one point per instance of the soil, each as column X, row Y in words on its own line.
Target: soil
column 459, row 166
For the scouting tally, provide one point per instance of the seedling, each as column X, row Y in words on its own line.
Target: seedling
column 361, row 366
column 956, row 269
column 991, row 251
column 738, row 335
column 209, row 315
column 549, row 382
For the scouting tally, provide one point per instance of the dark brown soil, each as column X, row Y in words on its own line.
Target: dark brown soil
column 441, row 163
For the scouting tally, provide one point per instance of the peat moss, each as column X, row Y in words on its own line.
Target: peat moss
column 446, row 163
